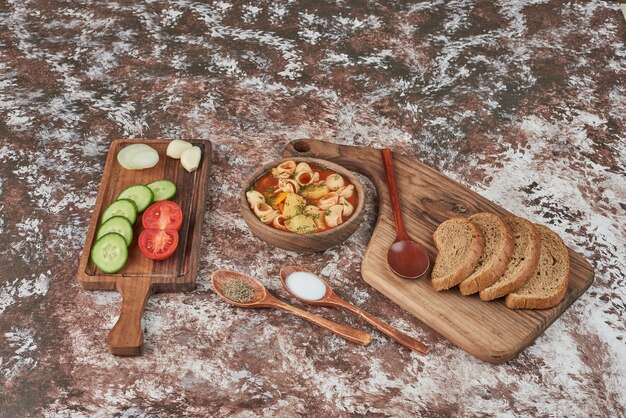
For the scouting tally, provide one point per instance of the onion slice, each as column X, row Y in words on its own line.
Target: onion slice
column 138, row 157
column 122, row 158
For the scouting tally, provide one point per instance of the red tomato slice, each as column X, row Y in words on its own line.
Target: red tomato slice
column 163, row 215
column 158, row 244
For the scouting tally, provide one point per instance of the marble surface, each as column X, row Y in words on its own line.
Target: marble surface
column 523, row 101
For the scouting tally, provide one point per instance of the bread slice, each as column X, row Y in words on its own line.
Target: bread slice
column 548, row 284
column 499, row 246
column 459, row 246
column 523, row 262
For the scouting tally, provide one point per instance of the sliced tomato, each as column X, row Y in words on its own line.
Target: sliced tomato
column 158, row 244
column 163, row 215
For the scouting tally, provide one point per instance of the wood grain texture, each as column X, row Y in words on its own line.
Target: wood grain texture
column 405, row 257
column 318, row 241
column 489, row 331
column 332, row 300
column 392, row 187
column 141, row 276
column 126, row 337
column 264, row 299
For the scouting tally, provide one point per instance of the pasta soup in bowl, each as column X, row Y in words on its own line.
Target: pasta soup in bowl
column 302, row 204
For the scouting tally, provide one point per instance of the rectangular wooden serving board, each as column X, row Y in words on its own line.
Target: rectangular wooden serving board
column 488, row 330
column 141, row 276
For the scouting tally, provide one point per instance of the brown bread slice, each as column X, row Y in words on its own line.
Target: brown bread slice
column 459, row 246
column 548, row 284
column 499, row 246
column 523, row 261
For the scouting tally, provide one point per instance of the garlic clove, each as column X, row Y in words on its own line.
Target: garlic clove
column 176, row 148
column 190, row 158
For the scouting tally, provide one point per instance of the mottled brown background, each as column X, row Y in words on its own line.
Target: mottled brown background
column 523, row 101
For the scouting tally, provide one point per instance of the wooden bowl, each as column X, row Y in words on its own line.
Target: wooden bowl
column 317, row 241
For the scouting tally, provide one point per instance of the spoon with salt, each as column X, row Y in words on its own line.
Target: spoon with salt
column 311, row 289
column 263, row 299
column 406, row 258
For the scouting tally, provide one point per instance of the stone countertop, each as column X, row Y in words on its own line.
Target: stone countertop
column 523, row 101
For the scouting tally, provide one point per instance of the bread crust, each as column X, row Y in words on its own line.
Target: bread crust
column 496, row 265
column 469, row 263
column 496, row 291
column 518, row 301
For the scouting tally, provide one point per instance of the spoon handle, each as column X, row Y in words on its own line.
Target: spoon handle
column 351, row 334
column 392, row 332
column 393, row 193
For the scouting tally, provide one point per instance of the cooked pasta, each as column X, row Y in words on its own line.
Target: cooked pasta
column 334, row 215
column 284, row 170
column 346, row 191
column 279, row 222
column 264, row 212
column 302, row 198
column 303, row 167
column 318, row 216
column 334, row 182
column 253, row 196
column 327, row 201
column 287, row 185
column 348, row 209
column 304, row 178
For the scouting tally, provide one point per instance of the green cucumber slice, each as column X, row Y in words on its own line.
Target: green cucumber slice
column 140, row 194
column 121, row 207
column 163, row 190
column 119, row 225
column 110, row 253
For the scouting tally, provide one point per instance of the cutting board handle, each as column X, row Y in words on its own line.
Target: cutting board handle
column 126, row 337
column 367, row 161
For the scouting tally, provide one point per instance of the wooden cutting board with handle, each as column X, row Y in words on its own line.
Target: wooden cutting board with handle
column 488, row 330
column 140, row 277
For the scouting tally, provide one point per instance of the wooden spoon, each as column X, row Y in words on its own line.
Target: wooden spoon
column 332, row 300
column 405, row 257
column 263, row 299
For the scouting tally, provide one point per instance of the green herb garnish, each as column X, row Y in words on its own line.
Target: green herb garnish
column 304, row 229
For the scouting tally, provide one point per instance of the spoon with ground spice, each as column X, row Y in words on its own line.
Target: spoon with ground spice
column 245, row 292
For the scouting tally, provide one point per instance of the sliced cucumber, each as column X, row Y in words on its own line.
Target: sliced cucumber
column 119, row 225
column 121, row 207
column 110, row 253
column 140, row 194
column 163, row 190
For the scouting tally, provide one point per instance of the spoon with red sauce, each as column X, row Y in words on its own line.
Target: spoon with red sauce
column 406, row 258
